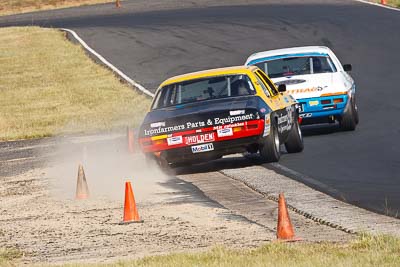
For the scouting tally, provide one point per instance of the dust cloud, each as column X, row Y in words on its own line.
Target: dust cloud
column 107, row 164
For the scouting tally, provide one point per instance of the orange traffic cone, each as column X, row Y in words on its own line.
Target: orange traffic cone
column 82, row 189
column 130, row 211
column 383, row 2
column 118, row 3
column 131, row 144
column 285, row 227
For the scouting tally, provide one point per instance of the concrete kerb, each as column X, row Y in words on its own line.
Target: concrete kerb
column 294, row 207
column 314, row 204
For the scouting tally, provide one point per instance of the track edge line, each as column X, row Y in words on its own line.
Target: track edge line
column 108, row 64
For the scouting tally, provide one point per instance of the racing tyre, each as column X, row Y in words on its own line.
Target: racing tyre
column 269, row 150
column 294, row 141
column 166, row 167
column 356, row 116
column 349, row 119
column 150, row 160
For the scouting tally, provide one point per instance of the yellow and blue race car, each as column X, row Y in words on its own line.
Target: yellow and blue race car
column 205, row 115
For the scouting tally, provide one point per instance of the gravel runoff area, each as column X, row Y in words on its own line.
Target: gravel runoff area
column 40, row 216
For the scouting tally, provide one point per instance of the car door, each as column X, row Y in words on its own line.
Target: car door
column 284, row 106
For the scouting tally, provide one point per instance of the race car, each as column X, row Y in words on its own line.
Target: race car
column 317, row 79
column 205, row 115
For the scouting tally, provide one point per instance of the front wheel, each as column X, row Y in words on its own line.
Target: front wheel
column 269, row 150
column 294, row 143
column 349, row 119
column 356, row 116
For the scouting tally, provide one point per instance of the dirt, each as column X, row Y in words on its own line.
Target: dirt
column 40, row 216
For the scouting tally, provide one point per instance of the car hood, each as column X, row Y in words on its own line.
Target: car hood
column 313, row 85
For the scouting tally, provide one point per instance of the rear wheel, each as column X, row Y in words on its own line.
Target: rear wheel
column 349, row 119
column 294, row 141
column 269, row 150
column 162, row 163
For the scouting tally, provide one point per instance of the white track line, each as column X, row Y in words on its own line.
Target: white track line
column 108, row 64
column 377, row 4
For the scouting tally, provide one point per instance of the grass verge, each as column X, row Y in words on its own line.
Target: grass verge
column 9, row 7
column 394, row 3
column 365, row 251
column 50, row 86
column 8, row 257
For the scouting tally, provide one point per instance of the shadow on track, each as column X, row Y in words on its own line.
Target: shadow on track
column 241, row 161
column 231, row 162
column 320, row 129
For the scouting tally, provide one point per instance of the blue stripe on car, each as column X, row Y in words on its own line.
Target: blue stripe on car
column 313, row 54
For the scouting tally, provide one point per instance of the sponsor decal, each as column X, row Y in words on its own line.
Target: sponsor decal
column 267, row 125
column 175, row 140
column 285, row 121
column 233, row 119
column 224, row 132
column 198, row 139
column 202, row 148
column 305, row 115
column 292, row 81
column 159, row 127
column 157, row 124
column 306, row 90
column 282, row 119
column 238, row 124
column 290, row 111
column 237, row 112
column 163, row 130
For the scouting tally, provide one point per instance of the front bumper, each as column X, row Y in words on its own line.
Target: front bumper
column 323, row 107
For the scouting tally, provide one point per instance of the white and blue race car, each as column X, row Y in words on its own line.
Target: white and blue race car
column 316, row 78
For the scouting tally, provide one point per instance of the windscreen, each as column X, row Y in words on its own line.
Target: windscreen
column 291, row 66
column 203, row 89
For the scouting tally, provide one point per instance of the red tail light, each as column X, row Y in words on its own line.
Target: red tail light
column 159, row 142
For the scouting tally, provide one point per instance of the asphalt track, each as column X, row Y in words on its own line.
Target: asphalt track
column 360, row 167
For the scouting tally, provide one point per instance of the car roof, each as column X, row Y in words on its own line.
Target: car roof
column 209, row 73
column 288, row 51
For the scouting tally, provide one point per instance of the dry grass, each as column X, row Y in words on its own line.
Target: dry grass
column 8, row 257
column 363, row 252
column 8, row 7
column 50, row 86
column 394, row 3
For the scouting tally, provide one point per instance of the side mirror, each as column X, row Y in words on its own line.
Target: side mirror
column 282, row 88
column 347, row 67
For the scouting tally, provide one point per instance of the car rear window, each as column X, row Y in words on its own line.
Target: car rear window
column 297, row 65
column 203, row 89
